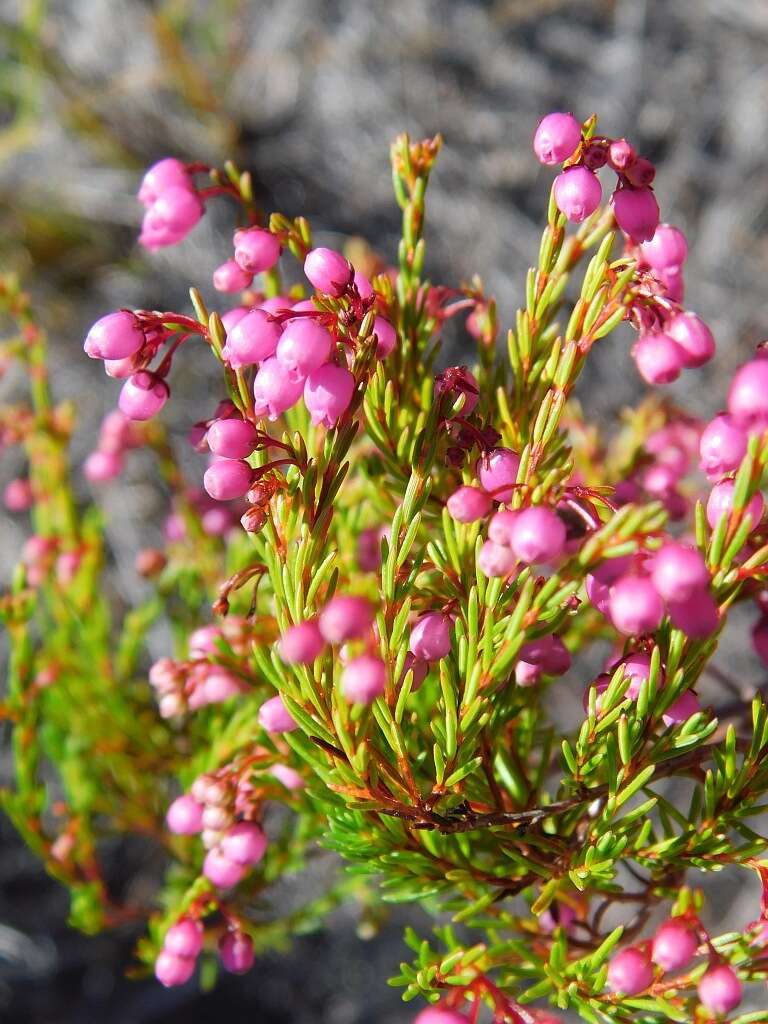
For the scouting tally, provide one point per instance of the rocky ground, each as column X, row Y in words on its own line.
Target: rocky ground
column 309, row 93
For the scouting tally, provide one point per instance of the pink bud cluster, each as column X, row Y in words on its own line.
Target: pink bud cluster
column 219, row 808
column 172, row 204
column 344, row 620
column 559, row 139
column 634, row 969
column 183, row 686
column 636, row 594
column 183, row 942
column 670, row 455
column 117, row 435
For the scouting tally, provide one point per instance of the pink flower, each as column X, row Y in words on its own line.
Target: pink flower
column 694, row 338
column 577, row 193
column 221, row 870
column 244, row 843
column 667, row 248
column 185, row 816
column 232, row 438
column 678, row 571
column 273, row 390
column 185, row 938
column 674, row 944
column 556, row 138
column 363, row 679
column 720, row 989
column 497, row 471
column 274, row 716
column 226, row 479
column 722, row 446
column 630, row 972
column 328, row 271
column 537, row 535
column 345, row 618
column 635, row 606
column 236, row 952
column 468, row 504
column 748, row 395
column 115, row 336
column 720, row 503
column 386, row 336
column 252, row 339
column 172, row 971
column 658, row 357
column 431, row 637
column 301, row 644
column 636, row 212
column 143, row 395
column 256, row 250
column 165, row 174
column 230, row 277
column 327, row 393
column 303, row 347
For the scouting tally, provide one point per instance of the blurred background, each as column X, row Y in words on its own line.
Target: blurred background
column 308, row 94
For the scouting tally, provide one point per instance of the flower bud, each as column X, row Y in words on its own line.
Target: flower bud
column 236, row 952
column 303, row 347
column 636, row 212
column 722, row 446
column 677, row 571
column 577, row 193
column 172, row 971
column 273, row 390
column 256, row 250
column 720, row 989
column 630, row 972
column 658, row 357
column 674, row 944
column 185, row 938
column 468, row 504
column 431, row 637
column 244, row 843
column 327, row 393
column 226, row 479
column 185, row 816
column 165, row 174
column 635, row 606
column 667, row 248
column 537, row 535
column 100, row 467
column 301, row 644
column 694, row 338
column 494, row 560
column 556, row 138
column 621, row 154
column 143, row 395
column 364, row 679
column 686, row 705
column 497, row 471
column 252, row 339
column 696, row 615
column 287, row 776
column 549, row 654
column 230, row 277
column 115, row 336
column 720, row 502
column 274, row 716
column 386, row 337
column 748, row 395
column 17, row 496
column 440, row 1015
column 328, row 271
column 345, row 618
column 219, row 869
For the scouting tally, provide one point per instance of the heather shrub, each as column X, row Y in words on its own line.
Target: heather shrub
column 380, row 584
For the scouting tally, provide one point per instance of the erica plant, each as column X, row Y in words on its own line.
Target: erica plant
column 381, row 585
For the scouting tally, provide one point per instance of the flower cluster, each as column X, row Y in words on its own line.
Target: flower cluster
column 429, row 558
